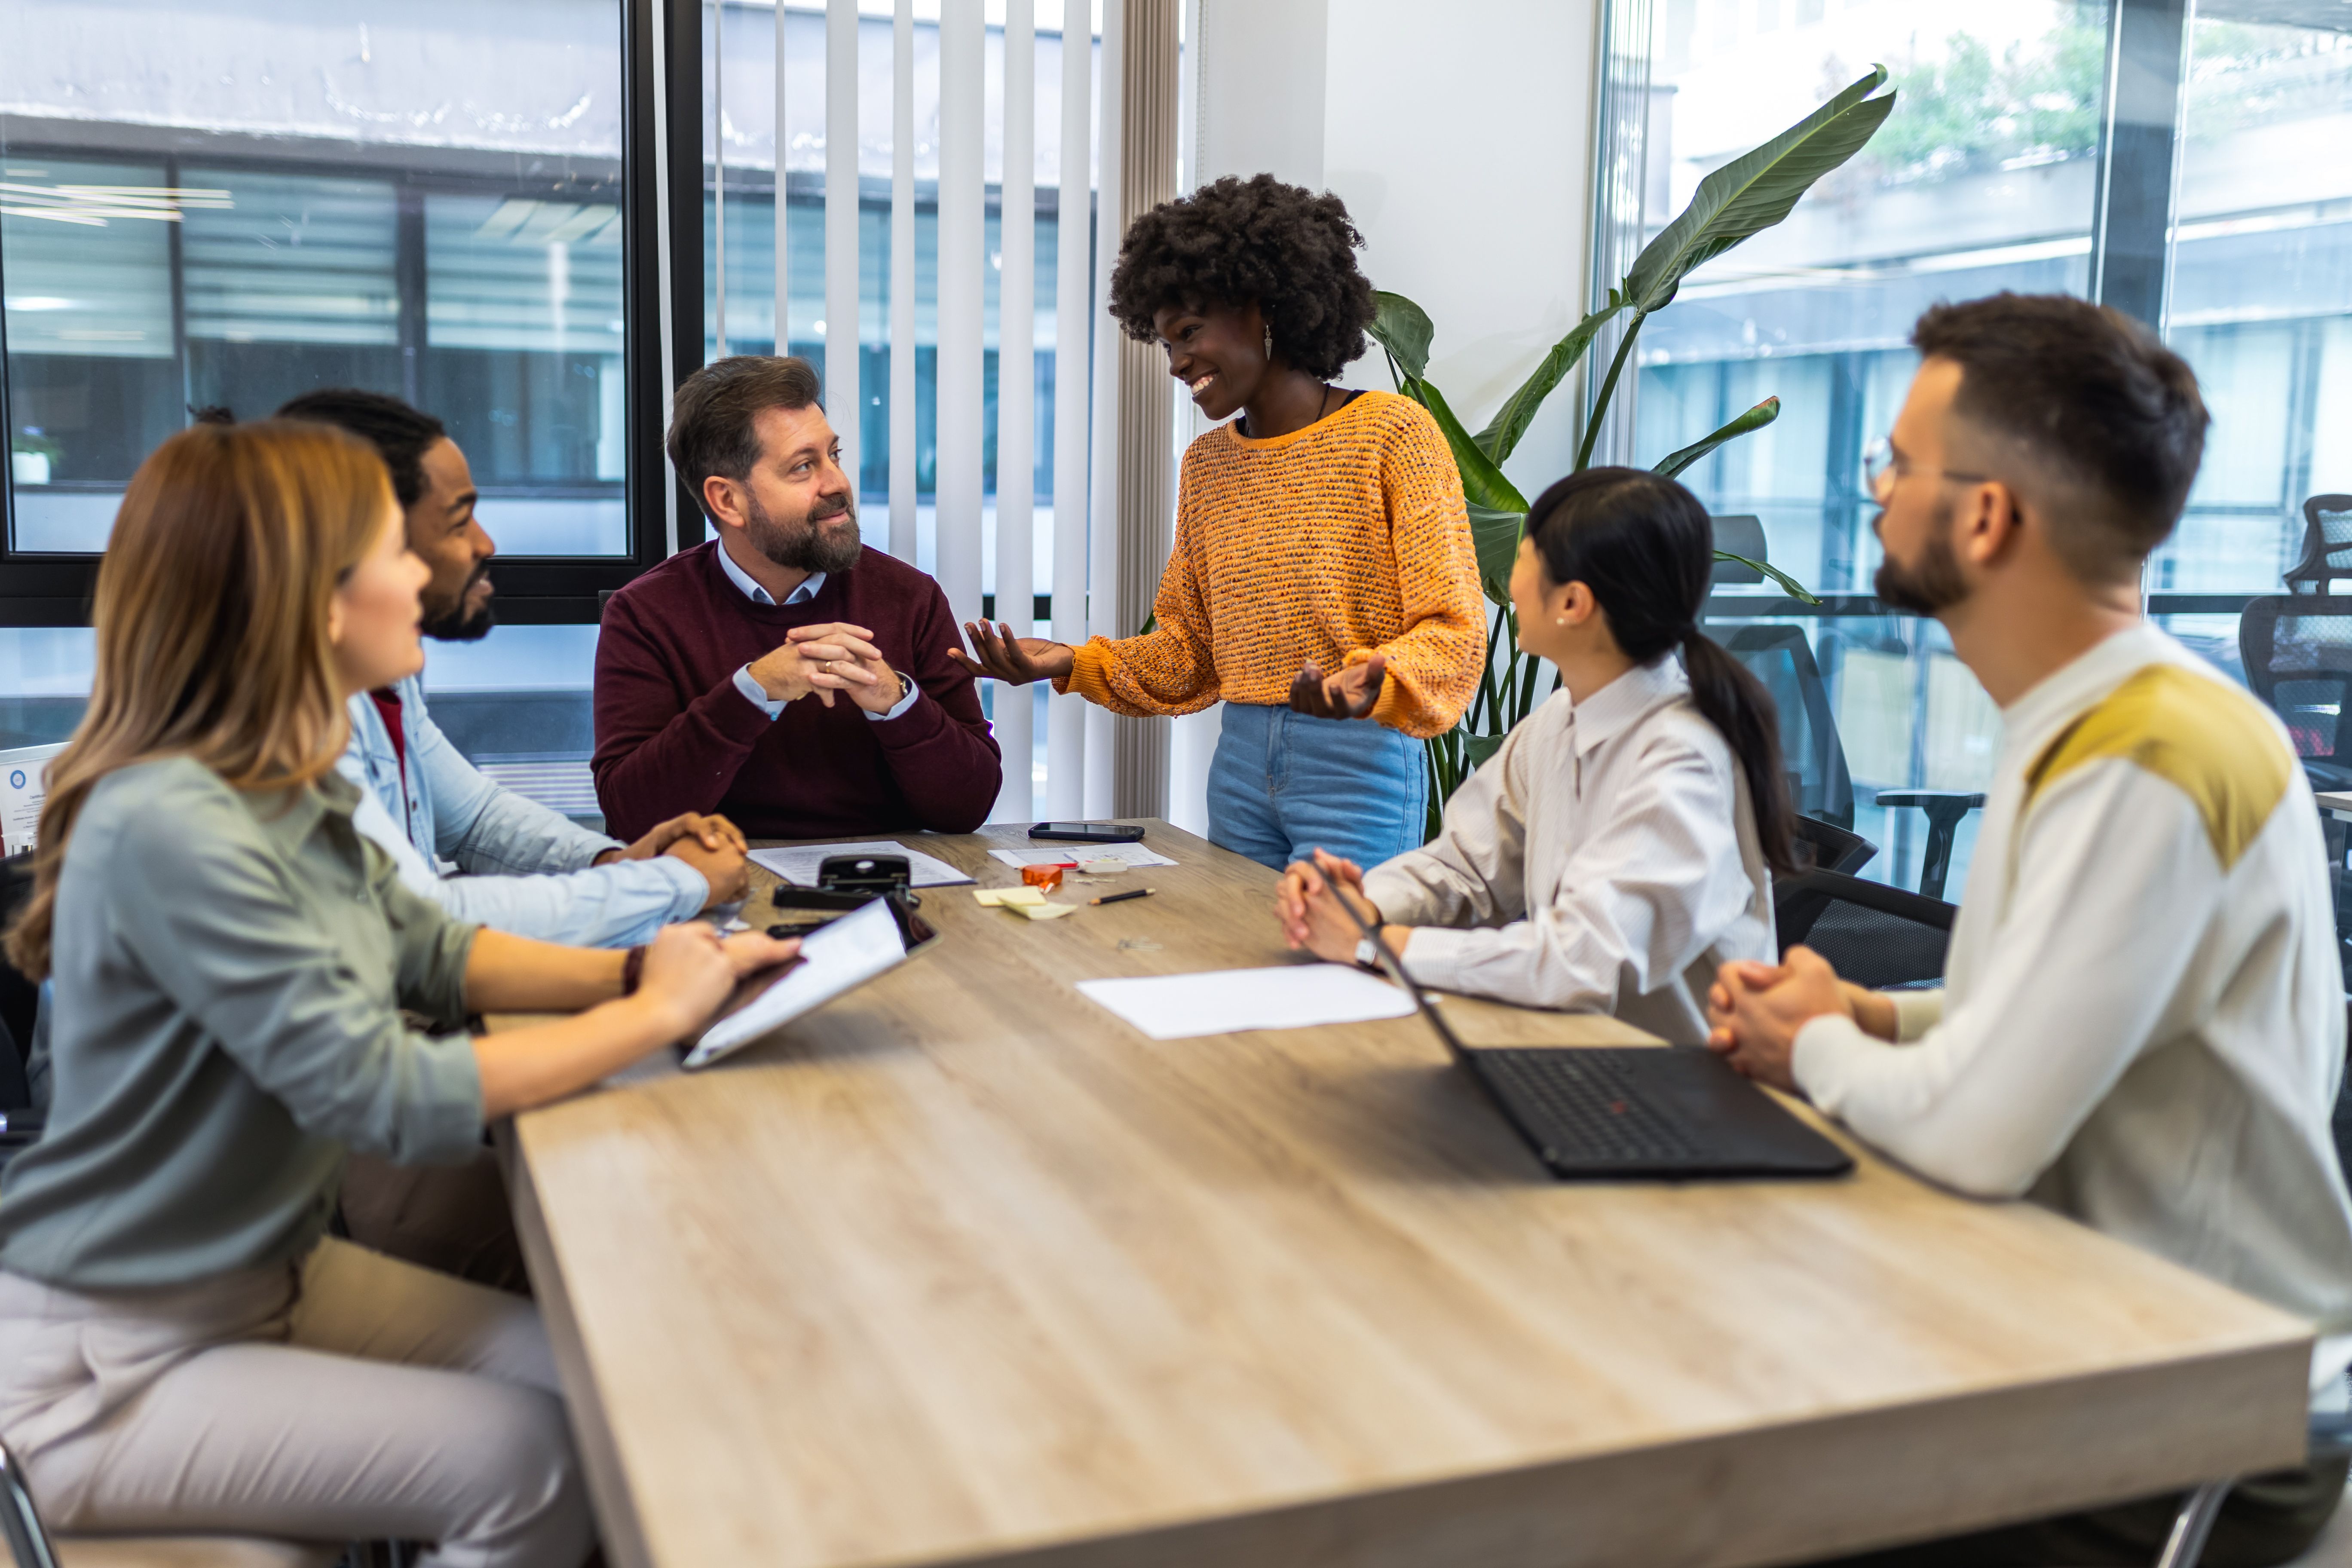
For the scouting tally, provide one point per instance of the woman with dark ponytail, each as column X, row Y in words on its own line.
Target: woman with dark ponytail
column 1619, row 846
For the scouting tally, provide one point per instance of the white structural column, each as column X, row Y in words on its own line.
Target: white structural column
column 1102, row 535
column 844, row 405
column 783, row 222
column 718, row 173
column 1016, row 398
column 902, row 282
column 1066, row 732
column 1145, row 406
column 962, row 348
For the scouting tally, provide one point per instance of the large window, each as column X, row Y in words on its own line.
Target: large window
column 226, row 203
column 229, row 204
column 1989, row 175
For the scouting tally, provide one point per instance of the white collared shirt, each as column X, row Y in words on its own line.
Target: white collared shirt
column 2142, row 1018
column 1605, row 859
column 753, row 692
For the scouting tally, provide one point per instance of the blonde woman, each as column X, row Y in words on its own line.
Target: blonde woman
column 181, row 1346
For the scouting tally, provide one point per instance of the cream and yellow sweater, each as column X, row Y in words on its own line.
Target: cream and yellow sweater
column 1338, row 540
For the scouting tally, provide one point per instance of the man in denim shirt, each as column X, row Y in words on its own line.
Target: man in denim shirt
column 529, row 870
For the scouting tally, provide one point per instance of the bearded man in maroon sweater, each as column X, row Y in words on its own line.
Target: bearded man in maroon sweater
column 783, row 674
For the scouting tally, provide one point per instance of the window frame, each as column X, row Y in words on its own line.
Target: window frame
column 47, row 589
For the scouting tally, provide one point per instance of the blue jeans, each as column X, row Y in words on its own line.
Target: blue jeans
column 1284, row 784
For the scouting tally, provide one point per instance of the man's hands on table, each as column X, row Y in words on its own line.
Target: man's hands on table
column 1755, row 1010
column 710, row 843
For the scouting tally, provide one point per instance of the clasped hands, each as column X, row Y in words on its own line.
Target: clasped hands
column 1754, row 1010
column 822, row 659
column 710, row 843
column 1307, row 901
column 996, row 653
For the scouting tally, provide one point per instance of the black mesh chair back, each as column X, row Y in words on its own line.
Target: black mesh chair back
column 1782, row 659
column 2327, row 544
column 1825, row 846
column 2297, row 652
column 1883, row 938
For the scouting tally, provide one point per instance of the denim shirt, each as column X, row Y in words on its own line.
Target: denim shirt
column 527, row 869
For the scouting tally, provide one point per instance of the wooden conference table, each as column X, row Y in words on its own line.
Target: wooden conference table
column 962, row 1269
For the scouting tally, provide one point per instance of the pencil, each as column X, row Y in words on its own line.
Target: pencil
column 1122, row 898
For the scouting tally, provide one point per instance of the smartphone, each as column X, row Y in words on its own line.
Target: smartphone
column 1088, row 832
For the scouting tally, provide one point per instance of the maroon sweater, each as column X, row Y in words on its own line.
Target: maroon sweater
column 674, row 734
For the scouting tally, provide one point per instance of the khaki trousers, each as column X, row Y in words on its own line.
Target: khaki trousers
column 349, row 1397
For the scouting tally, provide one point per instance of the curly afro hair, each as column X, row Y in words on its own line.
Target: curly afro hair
column 1236, row 242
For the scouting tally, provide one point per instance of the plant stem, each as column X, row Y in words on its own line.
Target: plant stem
column 1608, row 391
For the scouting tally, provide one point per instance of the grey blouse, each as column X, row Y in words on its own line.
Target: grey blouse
column 229, row 973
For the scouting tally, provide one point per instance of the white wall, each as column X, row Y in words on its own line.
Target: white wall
column 1459, row 137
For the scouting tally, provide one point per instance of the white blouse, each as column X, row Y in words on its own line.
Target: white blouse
column 1605, row 859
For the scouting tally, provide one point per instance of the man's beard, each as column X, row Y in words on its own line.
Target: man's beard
column 804, row 546
column 1932, row 585
column 458, row 624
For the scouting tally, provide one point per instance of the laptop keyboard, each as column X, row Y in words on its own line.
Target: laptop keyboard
column 1584, row 1106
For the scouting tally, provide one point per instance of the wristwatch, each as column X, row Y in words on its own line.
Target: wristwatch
column 1368, row 954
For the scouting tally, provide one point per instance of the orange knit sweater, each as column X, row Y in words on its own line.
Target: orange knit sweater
column 1343, row 539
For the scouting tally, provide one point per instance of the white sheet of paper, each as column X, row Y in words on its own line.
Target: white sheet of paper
column 1296, row 997
column 1050, row 854
column 23, row 790
column 798, row 864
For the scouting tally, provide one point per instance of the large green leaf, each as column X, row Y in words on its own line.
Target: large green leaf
column 1510, row 422
column 1755, row 191
column 1482, row 483
column 1756, row 418
column 1404, row 330
column 1495, row 534
column 1789, row 584
column 1476, row 749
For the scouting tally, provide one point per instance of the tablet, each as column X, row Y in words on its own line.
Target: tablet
column 836, row 958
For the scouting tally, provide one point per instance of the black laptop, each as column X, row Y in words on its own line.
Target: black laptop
column 1631, row 1112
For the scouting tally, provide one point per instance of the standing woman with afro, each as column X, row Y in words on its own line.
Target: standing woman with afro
column 1322, row 582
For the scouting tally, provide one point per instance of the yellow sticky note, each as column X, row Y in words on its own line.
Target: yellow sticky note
column 1042, row 911
column 1009, row 898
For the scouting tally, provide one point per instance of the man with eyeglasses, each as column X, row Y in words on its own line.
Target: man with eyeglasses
column 2142, row 1021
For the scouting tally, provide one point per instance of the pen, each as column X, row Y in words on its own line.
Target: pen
column 1122, row 898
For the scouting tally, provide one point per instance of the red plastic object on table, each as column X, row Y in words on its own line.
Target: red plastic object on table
column 1046, row 877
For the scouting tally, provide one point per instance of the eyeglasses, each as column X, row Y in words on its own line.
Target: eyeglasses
column 1880, row 470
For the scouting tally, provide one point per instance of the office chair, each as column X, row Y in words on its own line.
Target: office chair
column 1881, row 937
column 1945, row 809
column 1742, row 535
column 2327, row 546
column 1825, row 846
column 30, row 1545
column 2298, row 653
column 1782, row 659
